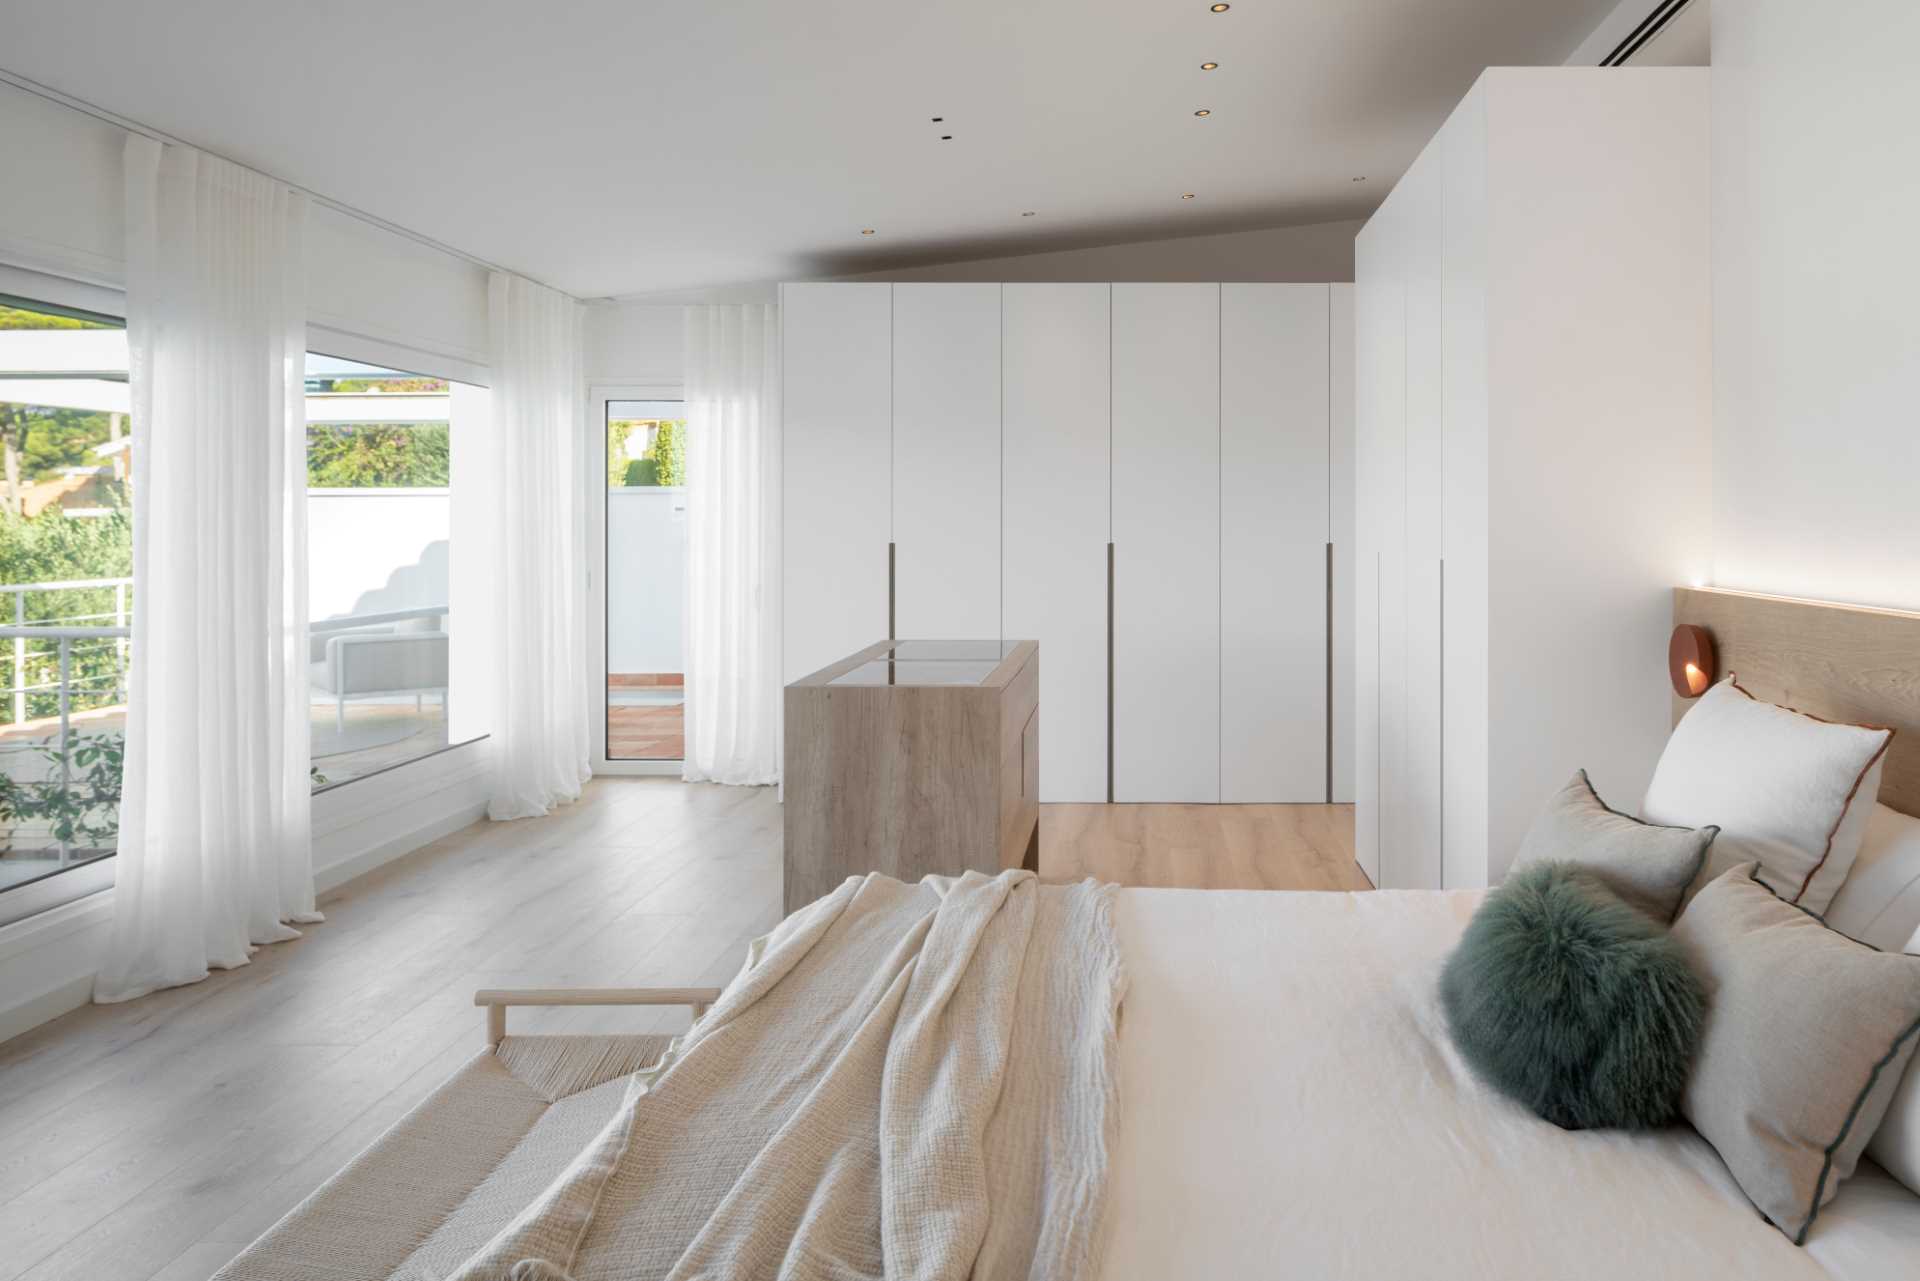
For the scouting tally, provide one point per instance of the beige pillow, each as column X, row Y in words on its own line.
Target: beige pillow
column 1807, row 1036
column 1789, row 791
column 1647, row 865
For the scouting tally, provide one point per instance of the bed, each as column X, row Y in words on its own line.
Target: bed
column 1288, row 1102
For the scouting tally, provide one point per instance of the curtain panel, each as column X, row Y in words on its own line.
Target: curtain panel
column 215, row 849
column 732, row 641
column 538, row 670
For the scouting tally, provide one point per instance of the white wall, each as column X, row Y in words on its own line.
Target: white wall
column 372, row 550
column 1309, row 254
column 641, row 340
column 1816, row 258
column 646, row 579
column 61, row 211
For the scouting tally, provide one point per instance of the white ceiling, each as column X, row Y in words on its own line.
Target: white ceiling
column 611, row 147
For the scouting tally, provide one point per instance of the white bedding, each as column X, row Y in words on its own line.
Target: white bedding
column 1291, row 1105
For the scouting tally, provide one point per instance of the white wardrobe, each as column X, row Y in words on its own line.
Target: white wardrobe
column 1533, row 385
column 1140, row 476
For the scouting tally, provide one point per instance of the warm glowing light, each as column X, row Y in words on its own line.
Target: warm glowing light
column 866, row 231
column 1209, row 66
column 1221, row 8
column 1186, row 195
column 1203, row 112
column 1696, row 679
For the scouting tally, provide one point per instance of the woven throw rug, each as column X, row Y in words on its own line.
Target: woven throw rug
column 906, row 1081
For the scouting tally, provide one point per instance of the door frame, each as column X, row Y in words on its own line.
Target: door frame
column 593, row 434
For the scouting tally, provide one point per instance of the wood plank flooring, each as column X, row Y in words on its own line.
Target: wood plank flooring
column 1206, row 847
column 151, row 1141
column 642, row 733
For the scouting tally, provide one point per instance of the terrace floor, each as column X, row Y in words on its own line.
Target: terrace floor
column 645, row 722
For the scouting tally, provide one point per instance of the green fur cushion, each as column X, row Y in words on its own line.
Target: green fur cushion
column 1569, row 1001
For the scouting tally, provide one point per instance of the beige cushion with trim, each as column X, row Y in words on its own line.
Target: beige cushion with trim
column 1648, row 865
column 1808, row 1033
column 1788, row 791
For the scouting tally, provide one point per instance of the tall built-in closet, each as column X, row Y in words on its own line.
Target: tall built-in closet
column 1532, row 390
column 1152, row 480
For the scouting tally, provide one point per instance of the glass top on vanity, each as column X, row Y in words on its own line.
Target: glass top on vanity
column 882, row 671
column 952, row 651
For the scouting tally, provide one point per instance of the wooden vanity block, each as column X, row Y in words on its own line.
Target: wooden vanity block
column 909, row 758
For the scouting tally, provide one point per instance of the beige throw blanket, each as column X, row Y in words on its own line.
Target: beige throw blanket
column 907, row 1081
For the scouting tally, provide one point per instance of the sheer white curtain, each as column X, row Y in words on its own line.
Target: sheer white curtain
column 733, row 545
column 214, row 853
column 540, row 747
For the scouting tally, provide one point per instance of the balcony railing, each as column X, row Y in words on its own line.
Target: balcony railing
column 57, row 802
column 95, row 631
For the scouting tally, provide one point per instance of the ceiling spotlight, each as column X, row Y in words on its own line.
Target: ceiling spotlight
column 1361, row 178
column 1209, row 66
column 866, row 231
column 946, row 137
column 1186, row 195
column 1028, row 213
column 939, row 119
column 1221, row 8
column 1203, row 112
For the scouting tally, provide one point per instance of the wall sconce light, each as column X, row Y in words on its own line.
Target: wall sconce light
column 1690, row 660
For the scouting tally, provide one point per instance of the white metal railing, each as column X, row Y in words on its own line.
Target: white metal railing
column 66, row 638
column 22, row 632
column 95, row 632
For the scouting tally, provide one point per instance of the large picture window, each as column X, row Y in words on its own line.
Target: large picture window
column 66, row 561
column 379, row 449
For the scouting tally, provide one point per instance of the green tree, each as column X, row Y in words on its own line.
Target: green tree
column 617, row 457
column 669, row 451
column 377, row 456
column 22, row 318
column 53, row 547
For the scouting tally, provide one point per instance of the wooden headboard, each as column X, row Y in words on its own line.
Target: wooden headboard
column 1840, row 662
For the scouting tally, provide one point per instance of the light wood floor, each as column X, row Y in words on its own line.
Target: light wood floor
column 1206, row 847
column 153, row 1140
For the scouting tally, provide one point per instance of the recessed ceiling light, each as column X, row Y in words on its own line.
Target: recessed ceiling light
column 939, row 119
column 1221, row 8
column 1361, row 178
column 1028, row 213
column 1203, row 112
column 1186, row 195
column 866, row 231
column 1209, row 66
column 946, row 137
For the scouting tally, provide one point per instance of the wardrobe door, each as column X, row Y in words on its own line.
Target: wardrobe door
column 1418, row 849
column 1166, row 537
column 1340, row 534
column 946, row 461
column 1055, row 455
column 1273, row 543
column 1380, row 518
column 837, row 472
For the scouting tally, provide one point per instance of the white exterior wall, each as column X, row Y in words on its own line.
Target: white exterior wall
column 646, row 580
column 371, row 550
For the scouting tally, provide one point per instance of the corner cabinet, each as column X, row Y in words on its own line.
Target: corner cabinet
column 1142, row 477
column 1532, row 387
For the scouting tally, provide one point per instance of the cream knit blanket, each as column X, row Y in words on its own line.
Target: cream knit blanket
column 906, row 1081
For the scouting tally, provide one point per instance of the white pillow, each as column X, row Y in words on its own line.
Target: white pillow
column 1896, row 1144
column 1789, row 791
column 1880, row 902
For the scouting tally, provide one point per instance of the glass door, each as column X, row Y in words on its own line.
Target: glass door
column 645, row 577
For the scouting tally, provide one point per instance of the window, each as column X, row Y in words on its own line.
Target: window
column 379, row 452
column 646, row 579
column 66, row 565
